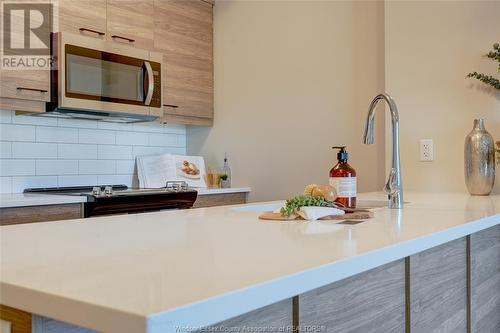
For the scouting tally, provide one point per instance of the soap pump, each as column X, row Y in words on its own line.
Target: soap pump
column 343, row 179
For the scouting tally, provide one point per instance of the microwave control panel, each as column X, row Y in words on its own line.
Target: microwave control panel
column 156, row 99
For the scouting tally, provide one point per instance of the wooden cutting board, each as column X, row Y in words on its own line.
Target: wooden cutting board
column 358, row 215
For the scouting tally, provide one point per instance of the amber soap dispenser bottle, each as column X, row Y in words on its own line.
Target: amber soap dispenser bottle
column 343, row 179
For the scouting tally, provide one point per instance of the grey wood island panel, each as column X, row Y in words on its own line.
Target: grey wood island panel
column 438, row 294
column 373, row 301
column 485, row 280
column 276, row 317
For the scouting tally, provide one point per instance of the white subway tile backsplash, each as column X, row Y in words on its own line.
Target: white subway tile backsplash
column 77, row 151
column 5, row 184
column 56, row 167
column 9, row 167
column 140, row 150
column 175, row 129
column 12, row 132
column 5, row 150
column 30, row 120
column 165, row 140
column 20, row 183
column 115, row 152
column 96, row 136
column 115, row 126
column 177, row 150
column 125, row 167
column 149, row 127
column 34, row 150
column 78, row 123
column 97, row 167
column 77, row 180
column 44, row 152
column 5, row 116
column 56, row 134
column 132, row 139
column 116, row 180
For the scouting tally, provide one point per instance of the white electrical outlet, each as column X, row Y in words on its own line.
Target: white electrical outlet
column 426, row 150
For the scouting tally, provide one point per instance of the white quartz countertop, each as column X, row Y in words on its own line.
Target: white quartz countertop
column 157, row 272
column 8, row 200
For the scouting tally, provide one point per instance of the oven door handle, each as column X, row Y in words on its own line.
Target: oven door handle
column 151, row 83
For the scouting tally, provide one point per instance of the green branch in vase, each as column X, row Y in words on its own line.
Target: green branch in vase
column 488, row 79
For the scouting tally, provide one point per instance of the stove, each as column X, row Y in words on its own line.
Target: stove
column 120, row 199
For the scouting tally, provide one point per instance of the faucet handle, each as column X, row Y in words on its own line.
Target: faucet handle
column 391, row 187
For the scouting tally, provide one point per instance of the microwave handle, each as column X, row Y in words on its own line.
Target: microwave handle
column 151, row 83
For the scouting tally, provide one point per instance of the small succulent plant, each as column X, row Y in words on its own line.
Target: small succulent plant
column 488, row 79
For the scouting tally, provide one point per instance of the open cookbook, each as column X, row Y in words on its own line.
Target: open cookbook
column 154, row 171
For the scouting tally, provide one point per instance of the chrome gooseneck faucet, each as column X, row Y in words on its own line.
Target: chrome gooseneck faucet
column 394, row 185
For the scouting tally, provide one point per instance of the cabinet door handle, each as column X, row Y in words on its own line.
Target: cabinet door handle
column 130, row 40
column 171, row 105
column 32, row 89
column 93, row 31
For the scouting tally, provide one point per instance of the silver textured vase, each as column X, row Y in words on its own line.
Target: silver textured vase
column 479, row 152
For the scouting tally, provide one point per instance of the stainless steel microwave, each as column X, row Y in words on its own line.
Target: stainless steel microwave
column 103, row 80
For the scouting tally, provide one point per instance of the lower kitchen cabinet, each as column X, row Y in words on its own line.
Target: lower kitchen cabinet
column 438, row 289
column 18, row 215
column 372, row 301
column 485, row 280
column 18, row 321
column 14, row 320
column 210, row 200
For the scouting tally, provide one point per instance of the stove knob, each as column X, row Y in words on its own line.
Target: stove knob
column 108, row 190
column 96, row 190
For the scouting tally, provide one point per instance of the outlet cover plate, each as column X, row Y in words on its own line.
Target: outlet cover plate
column 426, row 150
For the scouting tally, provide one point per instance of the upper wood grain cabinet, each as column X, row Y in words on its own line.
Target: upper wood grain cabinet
column 86, row 17
column 32, row 85
column 131, row 22
column 183, row 33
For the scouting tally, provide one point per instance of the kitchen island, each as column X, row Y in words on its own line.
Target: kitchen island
column 432, row 266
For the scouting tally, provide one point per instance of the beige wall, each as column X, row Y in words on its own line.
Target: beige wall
column 430, row 47
column 292, row 79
